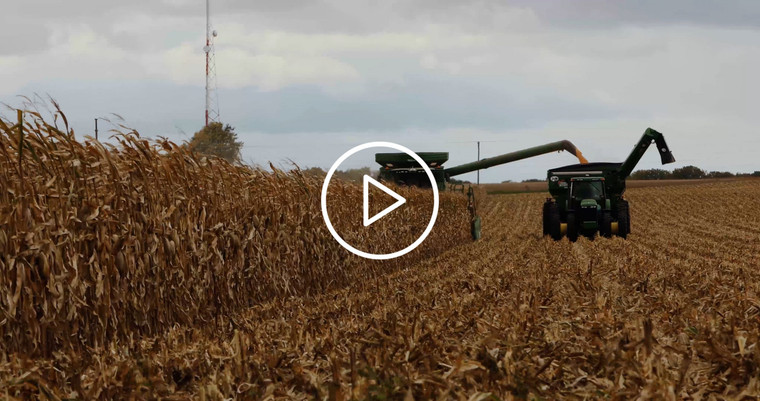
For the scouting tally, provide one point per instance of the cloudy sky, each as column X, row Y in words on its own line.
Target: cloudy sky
column 306, row 80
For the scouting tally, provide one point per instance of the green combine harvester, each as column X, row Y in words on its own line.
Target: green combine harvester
column 588, row 198
column 401, row 169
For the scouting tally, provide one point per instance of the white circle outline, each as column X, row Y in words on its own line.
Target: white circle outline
column 379, row 256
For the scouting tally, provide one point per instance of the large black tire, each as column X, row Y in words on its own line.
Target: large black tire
column 572, row 227
column 546, row 217
column 605, row 225
column 623, row 218
column 552, row 221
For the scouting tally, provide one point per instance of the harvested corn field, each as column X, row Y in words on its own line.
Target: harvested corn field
column 205, row 303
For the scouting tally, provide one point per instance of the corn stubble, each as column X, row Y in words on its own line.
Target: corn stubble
column 229, row 286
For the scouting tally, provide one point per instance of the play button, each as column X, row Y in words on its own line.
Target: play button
column 367, row 220
column 399, row 200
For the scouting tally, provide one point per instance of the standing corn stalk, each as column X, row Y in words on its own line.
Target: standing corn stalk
column 101, row 243
column 20, row 142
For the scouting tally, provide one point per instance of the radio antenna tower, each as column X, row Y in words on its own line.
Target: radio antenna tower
column 212, row 101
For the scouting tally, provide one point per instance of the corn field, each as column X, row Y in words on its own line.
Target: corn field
column 103, row 243
column 143, row 271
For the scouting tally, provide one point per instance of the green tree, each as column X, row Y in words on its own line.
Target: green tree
column 355, row 174
column 720, row 174
column 314, row 172
column 218, row 140
column 688, row 173
column 651, row 174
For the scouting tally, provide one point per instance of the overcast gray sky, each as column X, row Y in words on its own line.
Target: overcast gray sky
column 306, row 80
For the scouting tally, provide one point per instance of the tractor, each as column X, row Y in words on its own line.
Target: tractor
column 402, row 169
column 588, row 198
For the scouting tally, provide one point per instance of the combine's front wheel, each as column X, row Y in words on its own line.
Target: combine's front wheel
column 551, row 220
column 605, row 228
column 623, row 218
column 572, row 227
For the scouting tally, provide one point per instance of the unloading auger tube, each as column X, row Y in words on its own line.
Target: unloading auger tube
column 514, row 156
column 402, row 169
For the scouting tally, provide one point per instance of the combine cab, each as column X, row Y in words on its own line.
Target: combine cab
column 401, row 169
column 588, row 198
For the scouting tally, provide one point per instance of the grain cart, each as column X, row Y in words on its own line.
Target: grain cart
column 588, row 198
column 401, row 169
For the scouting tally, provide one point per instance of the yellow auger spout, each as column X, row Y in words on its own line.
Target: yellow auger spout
column 580, row 157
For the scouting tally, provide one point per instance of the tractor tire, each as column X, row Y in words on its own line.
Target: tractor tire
column 624, row 218
column 605, row 226
column 547, row 205
column 572, row 227
column 552, row 221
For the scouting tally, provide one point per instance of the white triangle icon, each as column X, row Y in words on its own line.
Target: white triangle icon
column 399, row 200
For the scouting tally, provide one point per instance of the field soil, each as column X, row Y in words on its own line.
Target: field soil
column 517, row 187
column 671, row 313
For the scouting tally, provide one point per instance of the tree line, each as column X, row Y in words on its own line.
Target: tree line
column 222, row 141
column 686, row 173
column 353, row 174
